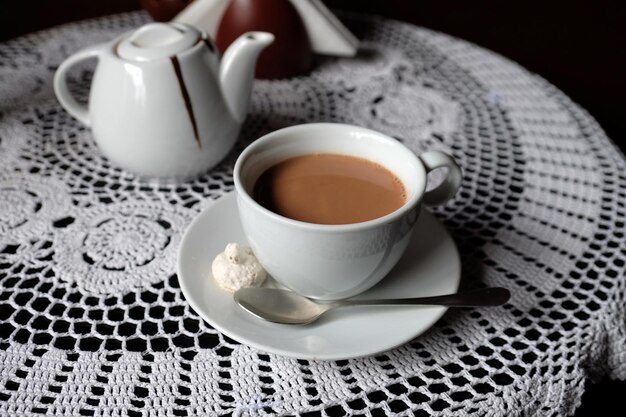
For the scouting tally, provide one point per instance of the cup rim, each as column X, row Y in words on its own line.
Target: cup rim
column 408, row 205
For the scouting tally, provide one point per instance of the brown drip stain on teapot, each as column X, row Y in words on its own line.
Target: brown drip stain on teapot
column 186, row 98
column 209, row 45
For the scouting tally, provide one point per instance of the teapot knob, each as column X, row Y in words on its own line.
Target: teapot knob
column 158, row 40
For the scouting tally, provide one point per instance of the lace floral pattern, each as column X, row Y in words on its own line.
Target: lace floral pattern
column 113, row 248
column 92, row 319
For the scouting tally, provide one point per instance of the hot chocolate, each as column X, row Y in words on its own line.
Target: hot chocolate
column 329, row 189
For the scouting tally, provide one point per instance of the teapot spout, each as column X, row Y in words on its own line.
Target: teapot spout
column 237, row 71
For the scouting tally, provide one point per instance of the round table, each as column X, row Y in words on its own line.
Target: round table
column 92, row 318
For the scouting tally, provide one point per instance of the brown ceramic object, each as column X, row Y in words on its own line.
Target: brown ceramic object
column 164, row 10
column 289, row 55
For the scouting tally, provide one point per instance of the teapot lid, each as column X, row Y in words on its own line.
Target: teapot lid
column 158, row 40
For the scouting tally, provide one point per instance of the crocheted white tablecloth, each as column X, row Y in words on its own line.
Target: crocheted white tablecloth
column 92, row 319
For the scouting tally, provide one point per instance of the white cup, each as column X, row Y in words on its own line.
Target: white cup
column 330, row 262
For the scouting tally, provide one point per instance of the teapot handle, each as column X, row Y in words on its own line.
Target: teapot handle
column 73, row 107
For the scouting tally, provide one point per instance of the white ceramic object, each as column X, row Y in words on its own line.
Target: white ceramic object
column 329, row 262
column 203, row 14
column 162, row 103
column 328, row 36
column 429, row 267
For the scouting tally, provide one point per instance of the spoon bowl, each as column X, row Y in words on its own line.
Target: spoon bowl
column 287, row 307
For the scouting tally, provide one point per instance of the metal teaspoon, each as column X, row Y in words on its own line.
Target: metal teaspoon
column 287, row 307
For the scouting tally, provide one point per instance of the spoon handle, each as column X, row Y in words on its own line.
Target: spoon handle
column 493, row 296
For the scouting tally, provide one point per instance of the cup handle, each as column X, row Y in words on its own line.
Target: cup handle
column 448, row 188
column 73, row 107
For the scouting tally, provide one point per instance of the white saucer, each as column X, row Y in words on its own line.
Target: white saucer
column 431, row 266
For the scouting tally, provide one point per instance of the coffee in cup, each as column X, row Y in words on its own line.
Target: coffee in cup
column 326, row 188
column 311, row 252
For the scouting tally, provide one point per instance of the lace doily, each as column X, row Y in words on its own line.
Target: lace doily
column 93, row 321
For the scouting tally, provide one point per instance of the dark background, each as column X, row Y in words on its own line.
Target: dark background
column 579, row 46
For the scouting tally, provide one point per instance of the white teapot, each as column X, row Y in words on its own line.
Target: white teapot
column 162, row 102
